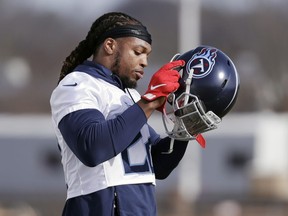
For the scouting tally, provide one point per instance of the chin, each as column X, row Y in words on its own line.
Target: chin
column 131, row 83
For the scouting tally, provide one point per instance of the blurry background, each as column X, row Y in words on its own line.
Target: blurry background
column 243, row 170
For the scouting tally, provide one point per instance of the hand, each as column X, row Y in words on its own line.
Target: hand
column 164, row 82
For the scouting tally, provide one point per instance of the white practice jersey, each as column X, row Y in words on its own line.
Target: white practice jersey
column 78, row 91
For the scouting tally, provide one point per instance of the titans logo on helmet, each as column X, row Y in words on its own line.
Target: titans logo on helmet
column 202, row 62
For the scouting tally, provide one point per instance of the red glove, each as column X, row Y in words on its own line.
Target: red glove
column 164, row 82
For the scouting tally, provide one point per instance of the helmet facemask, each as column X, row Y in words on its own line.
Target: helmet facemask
column 188, row 116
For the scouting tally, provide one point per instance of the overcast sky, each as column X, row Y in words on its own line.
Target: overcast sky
column 75, row 8
column 88, row 8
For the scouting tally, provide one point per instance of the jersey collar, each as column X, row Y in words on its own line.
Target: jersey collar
column 100, row 72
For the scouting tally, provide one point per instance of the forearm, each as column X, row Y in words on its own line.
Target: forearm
column 163, row 163
column 94, row 140
column 148, row 107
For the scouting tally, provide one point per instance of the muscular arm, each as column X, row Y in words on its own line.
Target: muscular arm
column 94, row 140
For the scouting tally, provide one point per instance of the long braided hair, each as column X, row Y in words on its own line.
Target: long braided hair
column 89, row 45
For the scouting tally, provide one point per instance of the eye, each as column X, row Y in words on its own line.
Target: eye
column 137, row 53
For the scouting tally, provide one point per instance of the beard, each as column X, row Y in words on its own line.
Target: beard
column 125, row 79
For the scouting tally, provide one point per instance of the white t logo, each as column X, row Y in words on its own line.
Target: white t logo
column 200, row 65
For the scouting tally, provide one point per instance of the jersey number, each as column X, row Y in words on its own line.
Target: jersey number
column 136, row 158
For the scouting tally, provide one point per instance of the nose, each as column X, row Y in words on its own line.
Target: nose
column 144, row 62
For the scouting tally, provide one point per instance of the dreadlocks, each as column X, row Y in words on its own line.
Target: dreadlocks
column 94, row 38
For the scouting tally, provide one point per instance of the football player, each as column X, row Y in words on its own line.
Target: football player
column 110, row 155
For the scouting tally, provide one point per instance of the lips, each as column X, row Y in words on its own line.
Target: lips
column 139, row 74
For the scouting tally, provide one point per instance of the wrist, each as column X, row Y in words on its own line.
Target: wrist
column 149, row 106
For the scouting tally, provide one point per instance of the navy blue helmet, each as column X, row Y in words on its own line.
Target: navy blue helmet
column 215, row 80
column 208, row 90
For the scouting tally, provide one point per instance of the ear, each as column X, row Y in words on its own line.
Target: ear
column 109, row 45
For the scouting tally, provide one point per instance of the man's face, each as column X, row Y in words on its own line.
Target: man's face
column 130, row 58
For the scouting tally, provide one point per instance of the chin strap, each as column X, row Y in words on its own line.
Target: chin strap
column 171, row 147
column 199, row 138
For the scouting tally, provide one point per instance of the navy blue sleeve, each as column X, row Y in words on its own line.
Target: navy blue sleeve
column 164, row 164
column 94, row 140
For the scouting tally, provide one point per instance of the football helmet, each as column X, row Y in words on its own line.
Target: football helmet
column 208, row 90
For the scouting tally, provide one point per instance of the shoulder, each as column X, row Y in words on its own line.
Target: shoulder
column 76, row 91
